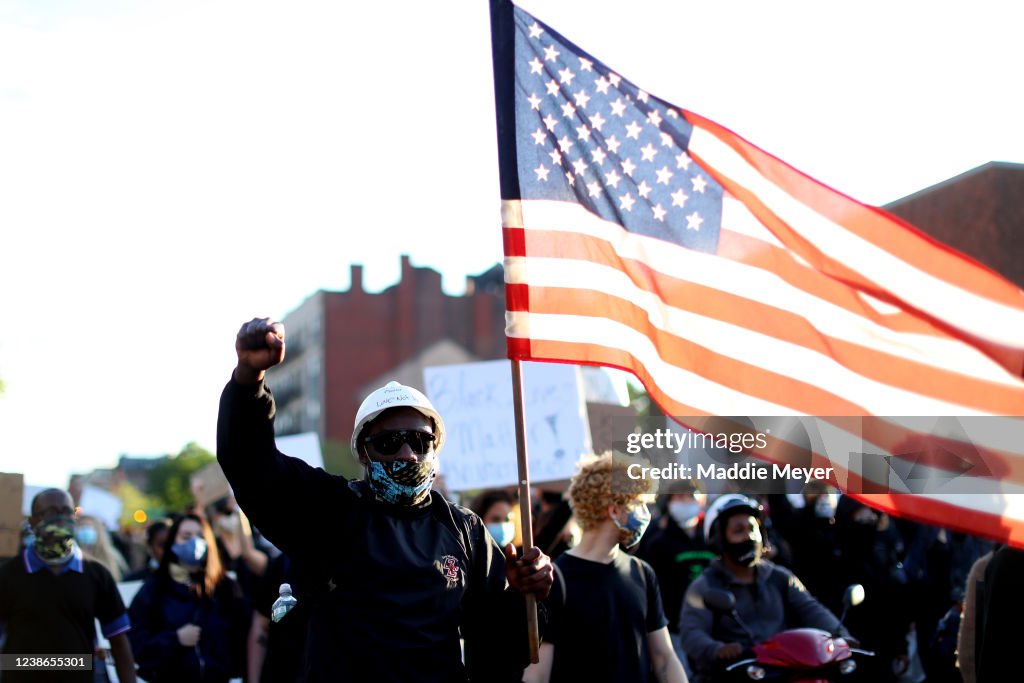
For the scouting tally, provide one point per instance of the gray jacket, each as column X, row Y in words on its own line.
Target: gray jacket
column 774, row 602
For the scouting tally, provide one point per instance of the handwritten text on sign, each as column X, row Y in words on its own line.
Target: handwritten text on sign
column 475, row 402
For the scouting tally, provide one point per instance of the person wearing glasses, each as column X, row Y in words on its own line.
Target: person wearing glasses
column 397, row 576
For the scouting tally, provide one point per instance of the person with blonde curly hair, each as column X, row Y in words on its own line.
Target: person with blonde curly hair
column 605, row 616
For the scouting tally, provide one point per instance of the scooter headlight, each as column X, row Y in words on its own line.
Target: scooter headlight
column 755, row 673
column 847, row 666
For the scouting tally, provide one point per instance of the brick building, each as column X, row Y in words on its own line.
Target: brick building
column 338, row 342
column 980, row 212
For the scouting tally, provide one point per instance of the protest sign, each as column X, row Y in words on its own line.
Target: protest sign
column 11, row 486
column 475, row 401
column 102, row 505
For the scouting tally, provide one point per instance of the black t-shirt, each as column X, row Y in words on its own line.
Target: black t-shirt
column 600, row 617
column 53, row 614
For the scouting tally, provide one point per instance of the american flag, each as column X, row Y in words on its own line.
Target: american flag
column 643, row 236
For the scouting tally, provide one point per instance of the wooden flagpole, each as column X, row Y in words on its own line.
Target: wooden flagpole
column 525, row 504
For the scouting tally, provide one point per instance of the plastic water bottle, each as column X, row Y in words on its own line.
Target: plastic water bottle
column 284, row 604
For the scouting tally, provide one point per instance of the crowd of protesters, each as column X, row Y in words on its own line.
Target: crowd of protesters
column 394, row 581
column 203, row 610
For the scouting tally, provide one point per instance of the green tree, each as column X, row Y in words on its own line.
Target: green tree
column 169, row 481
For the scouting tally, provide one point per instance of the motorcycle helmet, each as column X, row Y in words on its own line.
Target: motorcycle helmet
column 722, row 509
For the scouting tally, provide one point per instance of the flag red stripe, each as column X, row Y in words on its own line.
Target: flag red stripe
column 892, row 370
column 870, row 223
column 752, row 379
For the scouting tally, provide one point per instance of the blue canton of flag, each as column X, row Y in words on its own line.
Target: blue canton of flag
column 585, row 134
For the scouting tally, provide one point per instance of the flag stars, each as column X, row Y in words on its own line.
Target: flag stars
column 672, row 114
column 641, row 96
column 601, row 84
column 618, row 107
column 579, row 166
column 538, row 137
column 659, row 213
column 565, row 144
column 612, row 178
column 596, row 121
column 550, row 122
column 568, row 111
column 614, row 79
column 570, row 178
column 666, row 140
column 647, row 152
column 643, row 189
column 594, row 189
column 566, row 76
column 626, row 202
column 628, row 167
column 583, row 133
column 612, row 144
column 542, row 173
column 534, row 101
column 664, row 175
column 693, row 221
column 678, row 198
column 598, row 155
column 698, row 184
column 581, row 99
column 633, row 130
column 552, row 87
column 536, row 30
column 653, row 117
column 550, row 53
column 586, row 64
column 556, row 158
column 683, row 161
column 536, row 66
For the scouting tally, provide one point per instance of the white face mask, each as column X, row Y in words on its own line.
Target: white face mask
column 825, row 506
column 683, row 512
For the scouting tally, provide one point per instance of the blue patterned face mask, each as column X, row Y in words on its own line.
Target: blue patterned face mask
column 634, row 526
column 401, row 482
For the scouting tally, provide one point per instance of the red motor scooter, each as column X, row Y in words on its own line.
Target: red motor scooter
column 800, row 655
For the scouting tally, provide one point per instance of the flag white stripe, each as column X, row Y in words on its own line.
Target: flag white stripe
column 707, row 396
column 755, row 284
column 977, row 315
column 739, row 343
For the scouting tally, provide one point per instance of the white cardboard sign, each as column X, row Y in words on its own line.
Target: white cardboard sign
column 475, row 402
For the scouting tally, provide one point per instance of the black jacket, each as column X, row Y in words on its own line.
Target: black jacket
column 392, row 587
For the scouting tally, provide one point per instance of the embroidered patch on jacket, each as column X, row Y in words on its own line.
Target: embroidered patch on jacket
column 450, row 568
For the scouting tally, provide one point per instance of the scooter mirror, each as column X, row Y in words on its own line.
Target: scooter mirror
column 718, row 600
column 854, row 595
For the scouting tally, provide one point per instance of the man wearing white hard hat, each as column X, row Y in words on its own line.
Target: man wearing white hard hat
column 400, row 574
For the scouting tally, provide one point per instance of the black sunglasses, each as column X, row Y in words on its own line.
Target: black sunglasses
column 390, row 442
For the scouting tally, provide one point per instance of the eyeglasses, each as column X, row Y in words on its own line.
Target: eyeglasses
column 390, row 442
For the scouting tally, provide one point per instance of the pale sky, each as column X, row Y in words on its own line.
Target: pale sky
column 171, row 168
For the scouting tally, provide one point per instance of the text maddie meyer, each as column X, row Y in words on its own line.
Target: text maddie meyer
column 736, row 472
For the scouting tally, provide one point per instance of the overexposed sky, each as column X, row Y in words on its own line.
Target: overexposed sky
column 171, row 168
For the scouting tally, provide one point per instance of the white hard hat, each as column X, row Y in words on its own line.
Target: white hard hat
column 395, row 395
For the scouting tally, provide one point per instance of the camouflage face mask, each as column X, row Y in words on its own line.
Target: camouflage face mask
column 55, row 540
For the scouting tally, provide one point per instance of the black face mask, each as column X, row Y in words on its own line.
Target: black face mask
column 744, row 553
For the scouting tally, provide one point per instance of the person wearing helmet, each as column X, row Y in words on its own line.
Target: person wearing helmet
column 397, row 574
column 769, row 598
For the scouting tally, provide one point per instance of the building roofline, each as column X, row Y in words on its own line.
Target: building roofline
column 991, row 165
